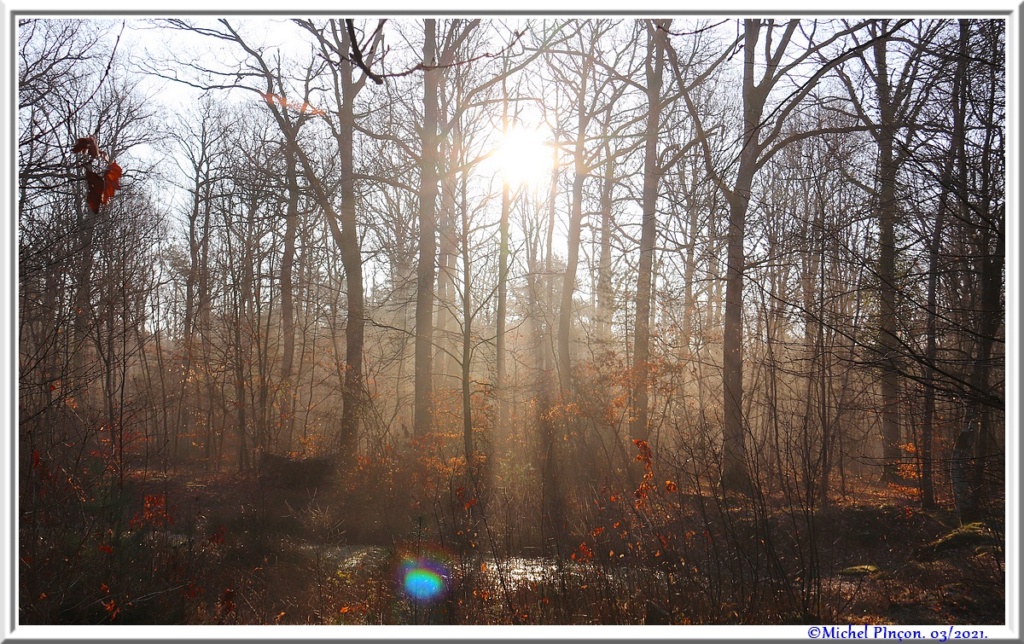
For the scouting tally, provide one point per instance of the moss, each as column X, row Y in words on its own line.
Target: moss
column 972, row 534
column 859, row 571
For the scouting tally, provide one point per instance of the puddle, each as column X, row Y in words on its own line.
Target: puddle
column 513, row 572
column 351, row 557
column 520, row 571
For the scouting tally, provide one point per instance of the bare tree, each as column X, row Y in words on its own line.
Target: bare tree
column 762, row 137
column 422, row 418
column 899, row 99
column 657, row 33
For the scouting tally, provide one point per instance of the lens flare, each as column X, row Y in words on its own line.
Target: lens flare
column 423, row 580
column 303, row 107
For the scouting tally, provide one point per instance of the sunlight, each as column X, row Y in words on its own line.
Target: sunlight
column 523, row 156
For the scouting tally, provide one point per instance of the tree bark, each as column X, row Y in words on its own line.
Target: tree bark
column 605, row 291
column 351, row 259
column 990, row 238
column 422, row 419
column 287, row 297
column 888, row 341
column 735, row 475
column 956, row 157
column 639, row 427
column 566, row 308
column 502, row 306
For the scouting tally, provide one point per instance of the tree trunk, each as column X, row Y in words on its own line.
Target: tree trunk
column 990, row 238
column 195, row 270
column 240, row 294
column 351, row 258
column 502, row 306
column 427, row 241
column 956, row 153
column 888, row 341
column 735, row 476
column 288, row 299
column 639, row 429
column 447, row 256
column 566, row 309
column 605, row 291
column 690, row 265
column 467, row 345
column 734, row 463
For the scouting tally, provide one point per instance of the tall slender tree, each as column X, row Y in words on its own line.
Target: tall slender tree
column 898, row 97
column 425, row 266
column 762, row 137
column 657, row 33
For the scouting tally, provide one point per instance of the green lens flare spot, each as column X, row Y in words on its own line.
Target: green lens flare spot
column 423, row 581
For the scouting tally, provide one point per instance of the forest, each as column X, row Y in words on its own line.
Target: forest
column 501, row 321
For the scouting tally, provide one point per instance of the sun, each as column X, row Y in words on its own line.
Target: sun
column 523, row 157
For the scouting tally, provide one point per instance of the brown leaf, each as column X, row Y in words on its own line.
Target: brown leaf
column 96, row 187
column 87, row 145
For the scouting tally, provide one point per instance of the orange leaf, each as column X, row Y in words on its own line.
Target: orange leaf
column 112, row 181
column 100, row 187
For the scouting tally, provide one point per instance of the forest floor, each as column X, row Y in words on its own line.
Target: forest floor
column 272, row 557
column 232, row 553
column 918, row 567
